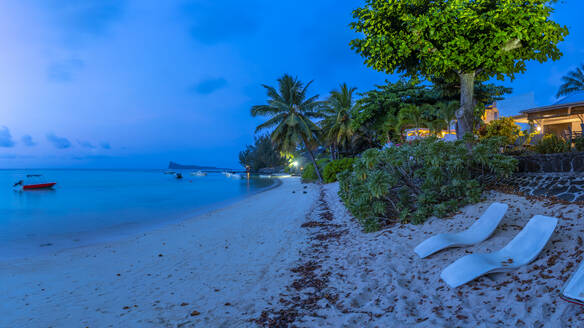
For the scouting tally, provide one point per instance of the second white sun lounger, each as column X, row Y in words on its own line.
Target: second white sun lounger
column 477, row 232
column 523, row 249
column 573, row 292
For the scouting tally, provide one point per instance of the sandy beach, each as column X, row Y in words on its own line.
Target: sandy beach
column 294, row 257
column 376, row 280
column 216, row 270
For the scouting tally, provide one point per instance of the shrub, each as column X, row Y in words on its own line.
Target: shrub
column 415, row 181
column 504, row 127
column 337, row 166
column 579, row 143
column 309, row 173
column 551, row 143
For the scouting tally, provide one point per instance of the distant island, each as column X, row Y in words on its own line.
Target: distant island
column 176, row 166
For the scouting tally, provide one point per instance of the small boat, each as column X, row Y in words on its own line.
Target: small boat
column 227, row 174
column 178, row 175
column 199, row 173
column 236, row 176
column 34, row 182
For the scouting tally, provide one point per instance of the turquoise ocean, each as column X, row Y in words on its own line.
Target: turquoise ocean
column 89, row 206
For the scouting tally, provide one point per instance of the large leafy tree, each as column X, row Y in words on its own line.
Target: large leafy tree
column 290, row 111
column 337, row 124
column 572, row 82
column 456, row 40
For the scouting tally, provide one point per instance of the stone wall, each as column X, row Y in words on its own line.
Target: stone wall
column 565, row 186
column 547, row 163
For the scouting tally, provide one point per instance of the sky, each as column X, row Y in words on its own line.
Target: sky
column 139, row 83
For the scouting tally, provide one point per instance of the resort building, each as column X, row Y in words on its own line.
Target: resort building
column 564, row 118
column 491, row 113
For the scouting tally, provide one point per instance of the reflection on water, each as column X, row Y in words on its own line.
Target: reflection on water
column 97, row 200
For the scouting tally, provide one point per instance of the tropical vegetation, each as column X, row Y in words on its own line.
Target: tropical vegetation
column 452, row 40
column 504, row 127
column 550, row 143
column 333, row 168
column 414, row 181
column 290, row 111
column 262, row 154
column 337, row 125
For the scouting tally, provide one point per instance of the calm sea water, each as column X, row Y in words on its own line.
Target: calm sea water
column 88, row 205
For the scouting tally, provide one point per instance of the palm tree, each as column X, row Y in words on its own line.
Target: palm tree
column 410, row 116
column 290, row 112
column 447, row 111
column 573, row 81
column 337, row 124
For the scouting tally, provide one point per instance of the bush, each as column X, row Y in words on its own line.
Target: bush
column 504, row 127
column 415, row 181
column 309, row 173
column 337, row 166
column 579, row 143
column 551, row 144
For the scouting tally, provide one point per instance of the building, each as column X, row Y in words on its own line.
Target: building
column 491, row 113
column 564, row 118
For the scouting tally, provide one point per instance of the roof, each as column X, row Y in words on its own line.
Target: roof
column 575, row 99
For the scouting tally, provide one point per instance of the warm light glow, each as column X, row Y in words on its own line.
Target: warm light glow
column 295, row 163
column 538, row 128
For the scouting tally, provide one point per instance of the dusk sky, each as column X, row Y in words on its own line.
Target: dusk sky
column 138, row 83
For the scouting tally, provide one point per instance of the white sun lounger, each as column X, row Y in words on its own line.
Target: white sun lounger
column 523, row 249
column 477, row 232
column 573, row 291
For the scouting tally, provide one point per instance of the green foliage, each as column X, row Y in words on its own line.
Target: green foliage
column 335, row 167
column 573, row 82
column 309, row 173
column 337, row 125
column 441, row 38
column 456, row 40
column 579, row 143
column 379, row 110
column 504, row 127
column 260, row 155
column 415, row 181
column 290, row 111
column 550, row 144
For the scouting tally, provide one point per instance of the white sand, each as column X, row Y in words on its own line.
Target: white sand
column 242, row 256
column 227, row 265
column 382, row 282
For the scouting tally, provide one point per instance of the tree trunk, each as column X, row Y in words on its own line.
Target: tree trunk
column 332, row 150
column 465, row 114
column 313, row 161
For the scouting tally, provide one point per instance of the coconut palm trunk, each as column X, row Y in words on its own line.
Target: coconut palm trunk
column 311, row 155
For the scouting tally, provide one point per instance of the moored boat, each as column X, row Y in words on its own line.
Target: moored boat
column 34, row 182
column 199, row 173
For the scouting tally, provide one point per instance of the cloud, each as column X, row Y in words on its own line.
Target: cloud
column 58, row 142
column 208, row 86
column 214, row 21
column 27, row 140
column 86, row 144
column 62, row 71
column 105, row 145
column 6, row 138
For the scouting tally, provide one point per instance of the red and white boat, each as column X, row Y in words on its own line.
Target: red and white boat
column 33, row 182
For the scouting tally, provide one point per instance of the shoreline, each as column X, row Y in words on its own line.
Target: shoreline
column 39, row 246
column 220, row 267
